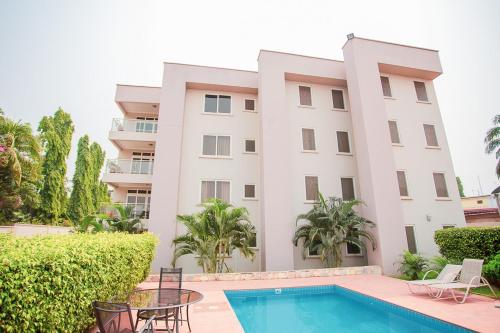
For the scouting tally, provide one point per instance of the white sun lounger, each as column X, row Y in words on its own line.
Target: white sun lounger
column 447, row 275
column 470, row 277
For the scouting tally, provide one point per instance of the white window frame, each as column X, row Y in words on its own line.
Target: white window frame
column 408, row 197
column 435, row 132
column 245, row 146
column 218, row 94
column 215, row 180
column 302, row 141
column 345, row 109
column 350, row 143
column 305, row 188
column 312, row 256
column 228, row 157
column 400, row 144
column 390, row 86
column 353, row 184
column 426, row 91
column 255, row 190
column 448, row 198
column 298, row 95
column 254, row 105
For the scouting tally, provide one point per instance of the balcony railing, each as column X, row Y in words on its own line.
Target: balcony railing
column 134, row 125
column 129, row 166
column 137, row 211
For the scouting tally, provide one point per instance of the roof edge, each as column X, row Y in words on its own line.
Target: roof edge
column 390, row 43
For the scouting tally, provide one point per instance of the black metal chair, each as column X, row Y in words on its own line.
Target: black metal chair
column 117, row 318
column 169, row 278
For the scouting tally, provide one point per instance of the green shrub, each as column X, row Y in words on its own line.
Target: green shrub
column 47, row 283
column 471, row 242
column 411, row 265
column 492, row 270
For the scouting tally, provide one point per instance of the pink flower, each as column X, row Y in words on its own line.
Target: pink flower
column 2, row 149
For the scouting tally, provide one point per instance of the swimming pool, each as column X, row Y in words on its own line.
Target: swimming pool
column 326, row 309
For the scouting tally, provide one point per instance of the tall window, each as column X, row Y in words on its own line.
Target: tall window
column 403, row 187
column 312, row 188
column 343, row 142
column 312, row 251
column 410, row 238
column 217, row 104
column 347, row 185
column 440, row 184
column 386, row 87
column 139, row 200
column 305, row 95
column 216, row 145
column 338, row 99
column 430, row 135
column 250, row 146
column 421, row 91
column 215, row 189
column 249, row 105
column 250, row 191
column 393, row 130
column 353, row 249
column 308, row 140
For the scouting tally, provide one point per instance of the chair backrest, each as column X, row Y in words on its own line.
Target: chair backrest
column 471, row 268
column 449, row 273
column 171, row 278
column 113, row 317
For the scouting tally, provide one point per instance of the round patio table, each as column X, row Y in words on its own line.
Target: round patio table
column 163, row 299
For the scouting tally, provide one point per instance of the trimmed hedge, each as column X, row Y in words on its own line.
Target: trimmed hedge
column 48, row 283
column 469, row 242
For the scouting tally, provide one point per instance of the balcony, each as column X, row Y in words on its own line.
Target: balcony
column 133, row 133
column 128, row 172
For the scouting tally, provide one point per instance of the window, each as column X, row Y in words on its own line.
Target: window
column 308, row 140
column 347, row 185
column 305, row 95
column 312, row 251
column 338, row 99
column 386, row 87
column 146, row 124
column 139, row 201
column 142, row 162
column 216, row 145
column 480, row 201
column 253, row 240
column 440, row 184
column 410, row 238
column 249, row 191
column 403, row 187
column 430, row 135
column 448, row 226
column 217, row 104
column 353, row 249
column 215, row 189
column 249, row 105
column 393, row 129
column 343, row 142
column 421, row 91
column 250, row 146
column 312, row 188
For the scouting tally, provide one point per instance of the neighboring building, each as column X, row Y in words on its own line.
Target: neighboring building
column 367, row 127
column 482, row 210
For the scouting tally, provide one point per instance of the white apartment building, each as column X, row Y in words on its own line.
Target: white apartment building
column 367, row 127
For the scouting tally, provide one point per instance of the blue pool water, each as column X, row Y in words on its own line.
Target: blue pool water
column 326, row 309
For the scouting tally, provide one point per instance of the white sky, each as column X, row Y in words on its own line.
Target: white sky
column 72, row 53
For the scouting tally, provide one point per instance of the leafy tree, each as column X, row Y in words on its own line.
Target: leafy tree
column 215, row 233
column 55, row 132
column 492, row 141
column 460, row 187
column 118, row 219
column 331, row 223
column 88, row 192
column 19, row 168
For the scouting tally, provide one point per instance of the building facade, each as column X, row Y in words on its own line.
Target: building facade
column 368, row 127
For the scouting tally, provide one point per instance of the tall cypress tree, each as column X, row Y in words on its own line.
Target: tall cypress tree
column 55, row 133
column 87, row 194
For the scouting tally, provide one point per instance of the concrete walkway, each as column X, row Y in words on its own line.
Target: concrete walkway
column 214, row 314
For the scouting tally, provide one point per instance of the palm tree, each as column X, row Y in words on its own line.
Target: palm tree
column 124, row 220
column 492, row 141
column 331, row 223
column 214, row 233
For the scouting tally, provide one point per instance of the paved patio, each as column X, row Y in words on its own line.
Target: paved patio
column 214, row 314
